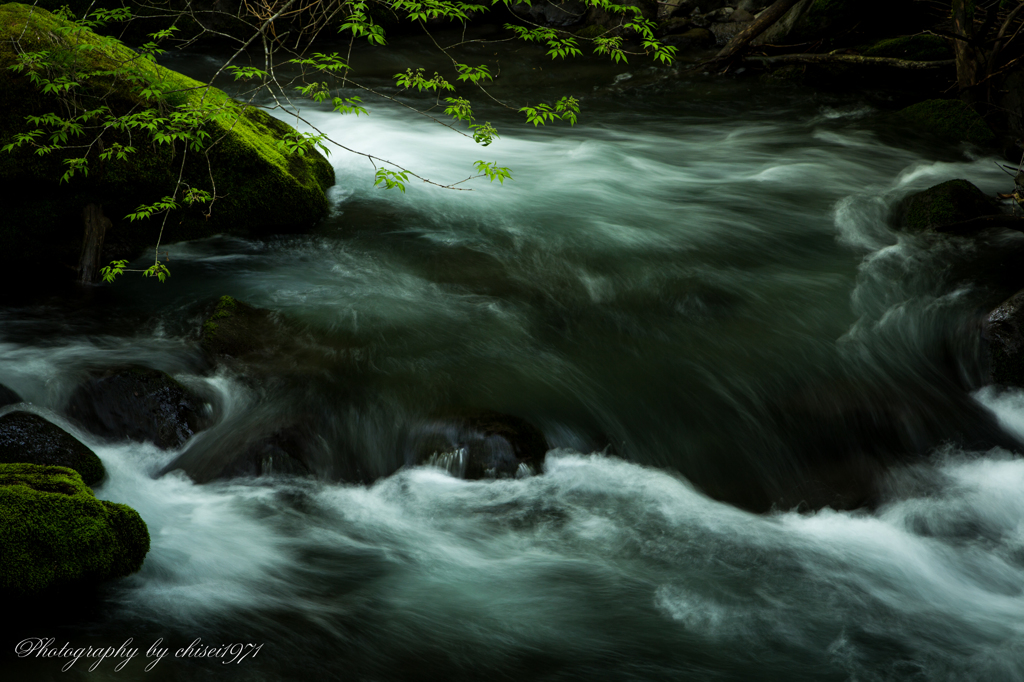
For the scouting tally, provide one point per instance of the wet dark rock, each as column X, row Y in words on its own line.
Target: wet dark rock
column 255, row 451
column 1004, row 334
column 56, row 535
column 8, row 397
column 951, row 202
column 28, row 438
column 138, row 404
column 673, row 26
column 475, row 445
column 724, row 31
column 684, row 8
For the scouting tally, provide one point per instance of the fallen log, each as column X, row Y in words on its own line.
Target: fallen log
column 849, row 59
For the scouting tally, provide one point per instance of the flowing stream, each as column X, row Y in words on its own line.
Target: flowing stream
column 696, row 295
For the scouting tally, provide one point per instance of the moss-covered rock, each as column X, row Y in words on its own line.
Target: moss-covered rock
column 1004, row 335
column 54, row 533
column 261, row 187
column 28, row 438
column 138, row 403
column 951, row 202
column 237, row 329
column 951, row 120
column 925, row 48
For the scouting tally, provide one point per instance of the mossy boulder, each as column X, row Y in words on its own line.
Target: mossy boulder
column 28, row 438
column 236, row 329
column 954, row 201
column 949, row 119
column 261, row 187
column 8, row 397
column 138, row 403
column 477, row 444
column 1004, row 336
column 266, row 340
column 55, row 534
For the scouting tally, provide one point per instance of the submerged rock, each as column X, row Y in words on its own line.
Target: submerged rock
column 138, row 404
column 953, row 201
column 55, row 533
column 847, row 434
column 8, row 397
column 949, row 119
column 261, row 450
column 1004, row 334
column 28, row 438
column 481, row 444
column 261, row 187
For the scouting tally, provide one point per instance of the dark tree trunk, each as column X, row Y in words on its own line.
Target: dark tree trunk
column 96, row 226
column 968, row 59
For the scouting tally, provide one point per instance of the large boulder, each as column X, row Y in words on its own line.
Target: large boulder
column 261, row 186
column 940, row 206
column 1004, row 334
column 28, row 438
column 478, row 444
column 139, row 404
column 55, row 534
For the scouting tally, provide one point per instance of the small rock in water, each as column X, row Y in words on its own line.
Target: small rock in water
column 477, row 445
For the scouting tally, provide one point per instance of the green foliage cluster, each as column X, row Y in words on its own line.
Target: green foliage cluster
column 110, row 106
column 122, row 145
column 54, row 533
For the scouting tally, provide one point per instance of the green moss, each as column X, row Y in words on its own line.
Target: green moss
column 951, row 119
column 261, row 188
column 236, row 328
column 54, row 533
column 916, row 48
column 951, row 202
